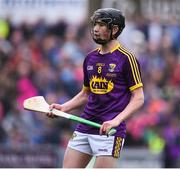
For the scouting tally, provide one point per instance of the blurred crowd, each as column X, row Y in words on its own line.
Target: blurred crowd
column 46, row 59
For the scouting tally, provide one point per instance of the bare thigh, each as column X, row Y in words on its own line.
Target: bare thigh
column 105, row 162
column 75, row 159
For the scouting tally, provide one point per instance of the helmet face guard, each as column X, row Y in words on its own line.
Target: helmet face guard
column 100, row 17
column 107, row 22
column 110, row 16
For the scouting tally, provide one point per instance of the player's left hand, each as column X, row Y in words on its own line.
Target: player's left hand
column 107, row 125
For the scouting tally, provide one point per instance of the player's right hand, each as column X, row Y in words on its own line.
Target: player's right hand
column 51, row 107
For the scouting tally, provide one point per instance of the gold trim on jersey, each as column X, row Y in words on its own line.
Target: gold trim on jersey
column 113, row 49
column 133, row 64
column 135, row 86
column 85, row 88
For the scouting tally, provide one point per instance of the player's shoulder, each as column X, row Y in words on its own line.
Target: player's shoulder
column 125, row 52
column 96, row 50
column 90, row 54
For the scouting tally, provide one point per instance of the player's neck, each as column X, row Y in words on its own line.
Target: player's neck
column 109, row 46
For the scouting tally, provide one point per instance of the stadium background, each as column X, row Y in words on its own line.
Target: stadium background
column 42, row 46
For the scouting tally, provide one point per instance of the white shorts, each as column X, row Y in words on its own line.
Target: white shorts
column 96, row 145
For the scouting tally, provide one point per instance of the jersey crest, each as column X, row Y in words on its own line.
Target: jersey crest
column 112, row 67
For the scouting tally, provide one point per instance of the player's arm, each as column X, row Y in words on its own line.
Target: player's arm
column 79, row 100
column 133, row 79
column 136, row 101
column 134, row 82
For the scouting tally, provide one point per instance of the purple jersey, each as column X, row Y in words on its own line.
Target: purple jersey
column 110, row 78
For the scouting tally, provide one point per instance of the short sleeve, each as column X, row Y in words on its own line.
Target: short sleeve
column 132, row 72
column 86, row 79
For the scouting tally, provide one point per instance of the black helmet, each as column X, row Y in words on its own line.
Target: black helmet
column 111, row 17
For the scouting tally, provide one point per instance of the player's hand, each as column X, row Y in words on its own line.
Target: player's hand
column 51, row 107
column 107, row 126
